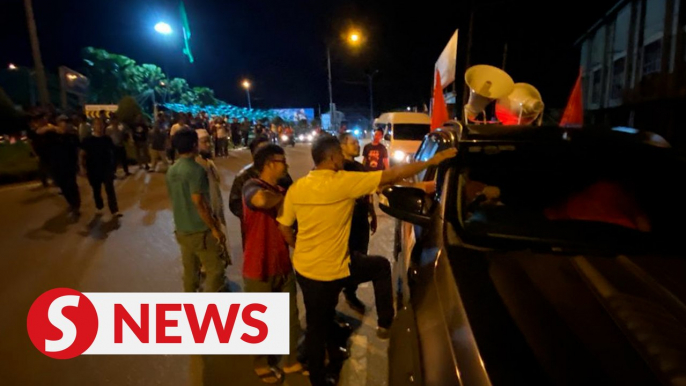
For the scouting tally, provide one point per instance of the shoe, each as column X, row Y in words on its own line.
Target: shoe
column 355, row 303
column 98, row 211
column 383, row 333
column 270, row 374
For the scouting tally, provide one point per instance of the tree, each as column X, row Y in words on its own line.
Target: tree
column 109, row 75
column 128, row 110
column 205, row 96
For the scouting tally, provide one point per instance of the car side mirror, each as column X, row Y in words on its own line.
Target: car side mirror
column 407, row 203
column 387, row 137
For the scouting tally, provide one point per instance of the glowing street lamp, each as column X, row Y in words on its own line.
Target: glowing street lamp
column 12, row 66
column 163, row 28
column 246, row 86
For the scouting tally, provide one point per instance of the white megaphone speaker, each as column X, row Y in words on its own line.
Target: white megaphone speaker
column 485, row 83
column 521, row 107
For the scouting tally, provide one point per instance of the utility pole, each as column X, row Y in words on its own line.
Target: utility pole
column 332, row 108
column 37, row 61
column 370, row 75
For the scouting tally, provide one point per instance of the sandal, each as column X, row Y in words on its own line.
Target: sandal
column 270, row 374
column 296, row 367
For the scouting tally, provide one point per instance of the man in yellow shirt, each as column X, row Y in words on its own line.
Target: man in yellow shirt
column 322, row 203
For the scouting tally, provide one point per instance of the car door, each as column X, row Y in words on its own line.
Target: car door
column 404, row 349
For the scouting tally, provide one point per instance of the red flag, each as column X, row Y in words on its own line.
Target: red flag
column 574, row 112
column 439, row 110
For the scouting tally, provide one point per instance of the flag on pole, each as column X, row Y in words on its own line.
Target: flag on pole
column 439, row 110
column 574, row 112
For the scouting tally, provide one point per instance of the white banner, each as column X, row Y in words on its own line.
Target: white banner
column 447, row 63
column 64, row 323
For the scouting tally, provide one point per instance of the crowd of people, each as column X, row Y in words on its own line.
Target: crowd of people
column 325, row 217
column 314, row 231
column 96, row 148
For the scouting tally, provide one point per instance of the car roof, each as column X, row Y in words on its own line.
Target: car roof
column 501, row 133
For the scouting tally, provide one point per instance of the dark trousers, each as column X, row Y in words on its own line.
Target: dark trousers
column 97, row 180
column 376, row 269
column 171, row 154
column 69, row 188
column 357, row 245
column 121, row 158
column 43, row 171
column 320, row 299
column 244, row 136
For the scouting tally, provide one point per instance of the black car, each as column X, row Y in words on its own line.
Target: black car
column 546, row 256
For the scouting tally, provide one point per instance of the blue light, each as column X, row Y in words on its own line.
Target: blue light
column 356, row 132
column 628, row 130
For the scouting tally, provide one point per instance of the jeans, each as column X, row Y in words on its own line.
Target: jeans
column 96, row 181
column 320, row 298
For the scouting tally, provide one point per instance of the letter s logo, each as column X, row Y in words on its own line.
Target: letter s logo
column 62, row 323
column 65, row 325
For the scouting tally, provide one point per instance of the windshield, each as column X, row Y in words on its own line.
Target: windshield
column 593, row 195
column 409, row 131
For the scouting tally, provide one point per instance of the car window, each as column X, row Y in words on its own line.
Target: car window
column 432, row 144
column 410, row 131
column 593, row 195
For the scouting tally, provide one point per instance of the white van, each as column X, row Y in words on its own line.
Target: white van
column 403, row 132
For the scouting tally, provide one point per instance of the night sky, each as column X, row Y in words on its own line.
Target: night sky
column 281, row 45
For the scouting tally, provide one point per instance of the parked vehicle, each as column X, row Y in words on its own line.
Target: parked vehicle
column 546, row 256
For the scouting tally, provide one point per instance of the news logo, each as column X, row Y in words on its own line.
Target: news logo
column 64, row 323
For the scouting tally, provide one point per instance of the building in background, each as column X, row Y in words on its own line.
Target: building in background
column 634, row 70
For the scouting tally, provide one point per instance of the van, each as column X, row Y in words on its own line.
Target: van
column 403, row 133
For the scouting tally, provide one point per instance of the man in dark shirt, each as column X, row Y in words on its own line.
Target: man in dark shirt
column 140, row 139
column 364, row 268
column 61, row 147
column 247, row 173
column 375, row 153
column 97, row 158
column 266, row 261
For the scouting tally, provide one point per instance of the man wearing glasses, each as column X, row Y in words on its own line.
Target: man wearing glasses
column 266, row 258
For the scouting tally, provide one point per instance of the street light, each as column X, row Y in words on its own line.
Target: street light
column 246, row 86
column 163, row 28
column 12, row 67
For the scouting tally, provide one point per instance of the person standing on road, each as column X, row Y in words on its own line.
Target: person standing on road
column 140, row 139
column 375, row 154
column 158, row 145
column 245, row 131
column 363, row 268
column 266, row 258
column 97, row 160
column 247, row 173
column 198, row 232
column 37, row 142
column 181, row 123
column 62, row 147
column 83, row 126
column 322, row 204
column 117, row 132
column 235, row 132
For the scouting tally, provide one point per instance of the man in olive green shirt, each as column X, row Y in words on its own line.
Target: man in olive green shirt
column 198, row 232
